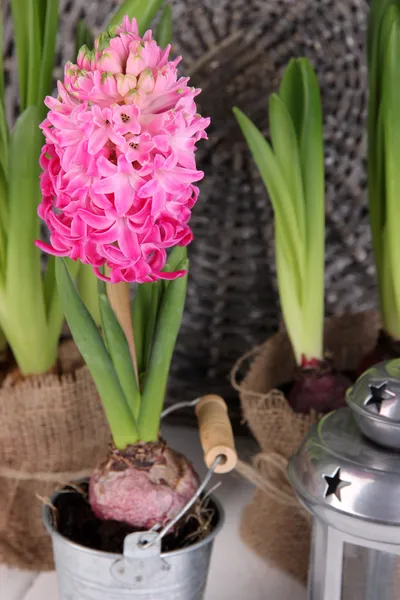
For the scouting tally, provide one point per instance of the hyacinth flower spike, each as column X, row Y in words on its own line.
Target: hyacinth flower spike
column 119, row 169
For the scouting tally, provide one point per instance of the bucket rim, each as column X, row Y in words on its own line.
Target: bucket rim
column 47, row 520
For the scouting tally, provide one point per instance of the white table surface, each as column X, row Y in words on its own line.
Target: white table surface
column 236, row 573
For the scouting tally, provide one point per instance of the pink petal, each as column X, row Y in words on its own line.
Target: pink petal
column 108, row 236
column 100, row 275
column 124, row 195
column 97, row 140
column 95, row 221
column 148, row 189
column 128, row 242
column 105, row 167
column 124, row 166
column 169, row 275
column 49, row 249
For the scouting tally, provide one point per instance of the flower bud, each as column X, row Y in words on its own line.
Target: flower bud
column 125, row 83
column 146, row 82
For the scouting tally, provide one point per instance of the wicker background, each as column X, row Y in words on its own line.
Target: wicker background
column 236, row 51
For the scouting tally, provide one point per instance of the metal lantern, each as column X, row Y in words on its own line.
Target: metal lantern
column 347, row 474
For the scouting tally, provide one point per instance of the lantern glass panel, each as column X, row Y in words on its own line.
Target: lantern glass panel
column 369, row 573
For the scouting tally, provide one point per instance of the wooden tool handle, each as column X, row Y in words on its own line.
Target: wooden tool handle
column 216, row 434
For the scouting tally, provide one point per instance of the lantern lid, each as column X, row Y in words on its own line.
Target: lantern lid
column 375, row 402
column 338, row 468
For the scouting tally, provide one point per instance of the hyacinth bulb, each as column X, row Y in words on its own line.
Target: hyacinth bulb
column 119, row 159
column 146, row 484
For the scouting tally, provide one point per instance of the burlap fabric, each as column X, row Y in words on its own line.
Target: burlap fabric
column 275, row 525
column 52, row 429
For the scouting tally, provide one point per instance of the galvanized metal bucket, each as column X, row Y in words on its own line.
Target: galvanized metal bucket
column 140, row 572
column 143, row 571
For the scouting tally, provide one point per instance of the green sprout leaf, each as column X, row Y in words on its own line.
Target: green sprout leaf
column 49, row 48
column 140, row 312
column 164, row 28
column 274, row 180
column 383, row 140
column 144, row 12
column 23, row 275
column 89, row 341
column 87, row 284
column 4, row 139
column 155, row 293
column 20, row 25
column 176, row 258
column 168, row 323
column 84, row 37
column 286, row 150
column 391, row 135
column 312, row 159
column 1, row 56
column 146, row 307
column 35, row 51
column 118, row 349
column 292, row 170
column 3, row 223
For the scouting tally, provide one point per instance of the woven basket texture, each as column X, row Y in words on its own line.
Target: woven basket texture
column 236, row 51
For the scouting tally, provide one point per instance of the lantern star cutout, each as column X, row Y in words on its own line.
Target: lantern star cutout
column 335, row 484
column 379, row 394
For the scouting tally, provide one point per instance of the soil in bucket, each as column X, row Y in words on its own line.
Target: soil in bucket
column 75, row 520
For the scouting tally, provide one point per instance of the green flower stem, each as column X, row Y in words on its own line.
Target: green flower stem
column 119, row 297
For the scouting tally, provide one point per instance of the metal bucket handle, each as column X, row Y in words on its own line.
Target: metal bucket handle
column 218, row 444
column 220, row 456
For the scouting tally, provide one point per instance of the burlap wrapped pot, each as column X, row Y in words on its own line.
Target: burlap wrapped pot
column 52, row 430
column 274, row 524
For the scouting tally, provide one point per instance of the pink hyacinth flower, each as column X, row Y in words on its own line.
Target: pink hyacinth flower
column 119, row 158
